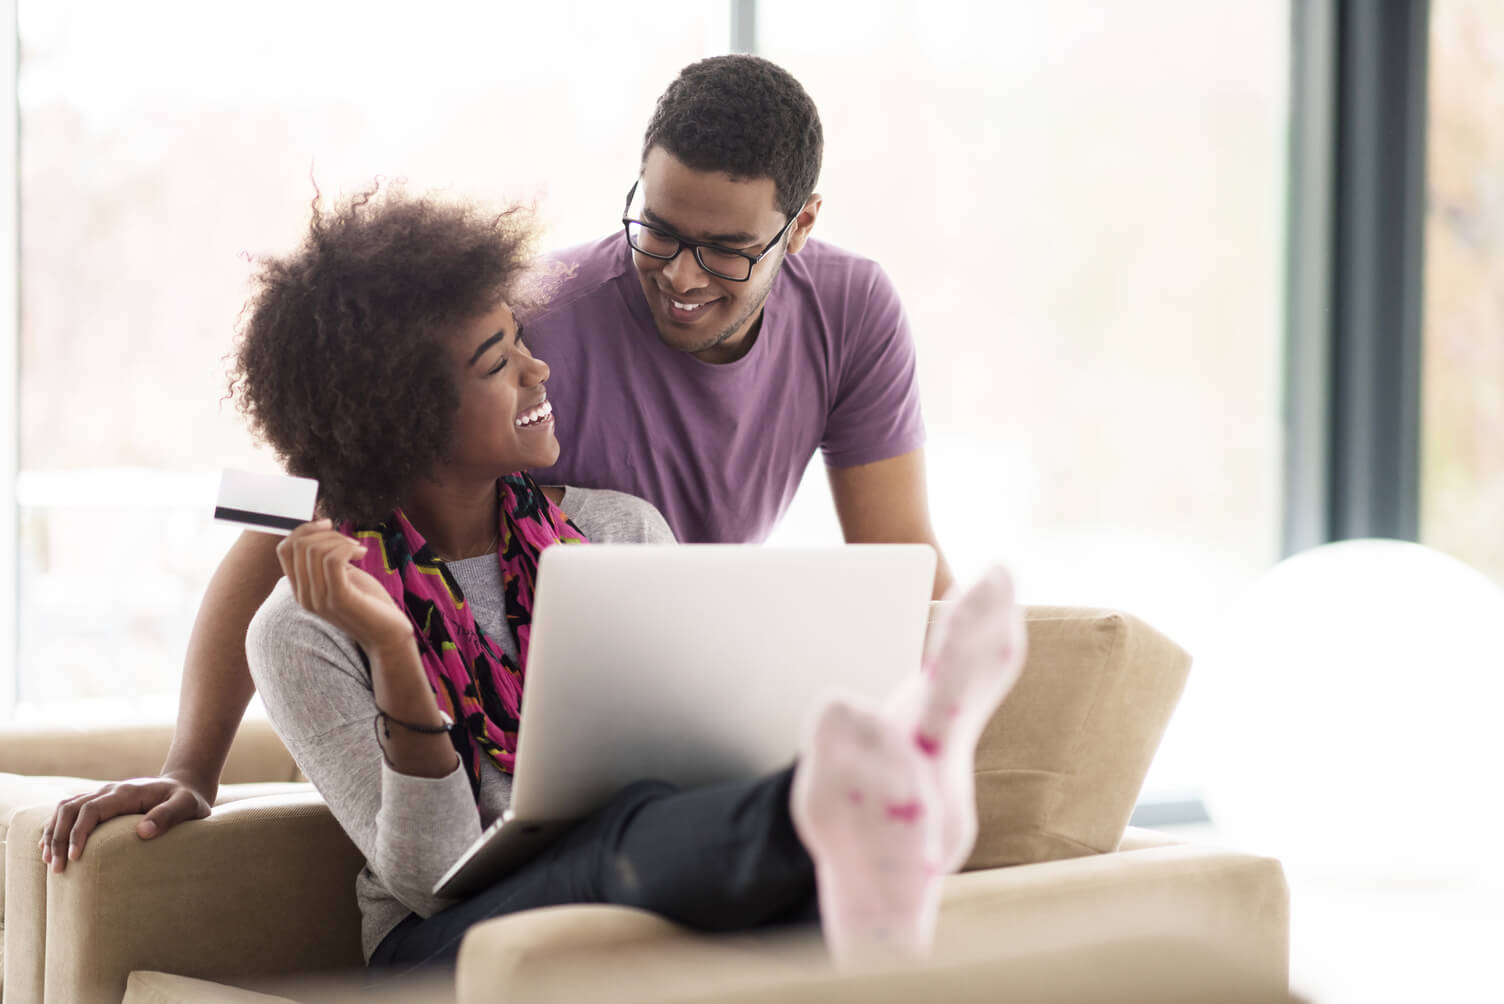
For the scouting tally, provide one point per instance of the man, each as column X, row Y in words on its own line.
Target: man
column 705, row 357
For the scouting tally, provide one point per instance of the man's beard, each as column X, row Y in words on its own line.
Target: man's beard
column 732, row 328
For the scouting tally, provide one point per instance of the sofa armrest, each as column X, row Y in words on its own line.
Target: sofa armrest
column 264, row 886
column 1237, row 903
column 1228, row 909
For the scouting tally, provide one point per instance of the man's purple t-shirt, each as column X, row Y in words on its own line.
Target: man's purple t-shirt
column 720, row 449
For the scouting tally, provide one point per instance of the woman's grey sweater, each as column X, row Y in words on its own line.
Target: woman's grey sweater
column 311, row 678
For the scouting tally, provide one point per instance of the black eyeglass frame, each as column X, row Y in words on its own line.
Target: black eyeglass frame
column 695, row 246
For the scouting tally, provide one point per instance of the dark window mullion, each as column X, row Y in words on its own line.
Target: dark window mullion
column 1309, row 240
column 744, row 26
column 1357, row 204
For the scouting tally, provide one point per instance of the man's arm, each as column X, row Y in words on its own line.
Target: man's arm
column 887, row 503
column 215, row 691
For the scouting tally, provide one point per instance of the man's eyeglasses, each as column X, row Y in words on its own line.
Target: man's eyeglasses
column 725, row 263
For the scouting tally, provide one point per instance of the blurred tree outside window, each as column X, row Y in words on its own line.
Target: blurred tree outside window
column 1462, row 397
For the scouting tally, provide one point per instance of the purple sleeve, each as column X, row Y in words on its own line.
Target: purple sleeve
column 874, row 413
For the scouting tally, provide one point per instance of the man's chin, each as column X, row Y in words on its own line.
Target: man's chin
column 692, row 339
column 690, row 342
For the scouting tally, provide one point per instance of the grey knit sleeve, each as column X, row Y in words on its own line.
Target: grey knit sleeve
column 317, row 691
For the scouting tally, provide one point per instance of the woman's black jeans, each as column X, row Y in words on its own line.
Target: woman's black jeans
column 718, row 858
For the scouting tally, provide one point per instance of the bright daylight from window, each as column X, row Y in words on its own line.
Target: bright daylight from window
column 1080, row 206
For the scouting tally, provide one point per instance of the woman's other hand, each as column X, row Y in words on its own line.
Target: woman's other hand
column 316, row 560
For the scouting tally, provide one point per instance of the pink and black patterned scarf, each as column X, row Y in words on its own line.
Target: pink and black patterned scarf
column 476, row 683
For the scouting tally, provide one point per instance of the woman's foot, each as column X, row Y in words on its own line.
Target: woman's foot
column 975, row 654
column 864, row 805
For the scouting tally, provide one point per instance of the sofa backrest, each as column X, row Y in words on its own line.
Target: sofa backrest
column 117, row 752
column 1060, row 766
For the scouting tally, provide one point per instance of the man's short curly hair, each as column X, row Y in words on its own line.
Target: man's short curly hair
column 340, row 363
column 746, row 117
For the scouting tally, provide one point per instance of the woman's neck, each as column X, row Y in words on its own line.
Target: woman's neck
column 458, row 519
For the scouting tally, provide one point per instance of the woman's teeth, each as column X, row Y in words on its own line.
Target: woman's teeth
column 535, row 414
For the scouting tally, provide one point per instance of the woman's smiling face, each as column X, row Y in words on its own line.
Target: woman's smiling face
column 505, row 421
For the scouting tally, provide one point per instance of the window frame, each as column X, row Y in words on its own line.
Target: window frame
column 1354, row 260
column 10, row 364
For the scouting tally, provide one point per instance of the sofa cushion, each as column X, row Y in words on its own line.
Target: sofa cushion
column 356, row 987
column 995, row 931
column 167, row 988
column 1060, row 766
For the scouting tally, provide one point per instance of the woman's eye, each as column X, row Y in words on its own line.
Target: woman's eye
column 500, row 365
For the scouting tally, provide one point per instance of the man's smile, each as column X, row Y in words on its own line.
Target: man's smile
column 685, row 311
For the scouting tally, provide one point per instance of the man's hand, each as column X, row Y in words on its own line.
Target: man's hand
column 166, row 802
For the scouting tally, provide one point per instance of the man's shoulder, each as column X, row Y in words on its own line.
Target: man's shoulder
column 840, row 289
column 841, row 281
column 826, row 252
column 830, row 266
column 568, row 277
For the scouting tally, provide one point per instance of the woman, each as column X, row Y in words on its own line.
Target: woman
column 382, row 359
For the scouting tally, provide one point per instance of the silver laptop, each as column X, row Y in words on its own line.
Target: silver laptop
column 692, row 664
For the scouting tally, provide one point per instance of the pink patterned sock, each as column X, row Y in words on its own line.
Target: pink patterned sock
column 975, row 655
column 864, row 805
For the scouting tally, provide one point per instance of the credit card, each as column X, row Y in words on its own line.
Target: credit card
column 271, row 503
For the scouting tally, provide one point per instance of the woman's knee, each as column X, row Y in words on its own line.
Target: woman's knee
column 623, row 808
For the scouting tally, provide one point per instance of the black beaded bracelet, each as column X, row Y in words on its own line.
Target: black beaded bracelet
column 428, row 730
column 382, row 728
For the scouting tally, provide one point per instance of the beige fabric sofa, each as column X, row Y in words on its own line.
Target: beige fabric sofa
column 39, row 766
column 1056, row 898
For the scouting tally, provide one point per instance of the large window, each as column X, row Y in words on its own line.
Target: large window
column 1082, row 206
column 1462, row 427
column 161, row 144
column 1080, row 203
